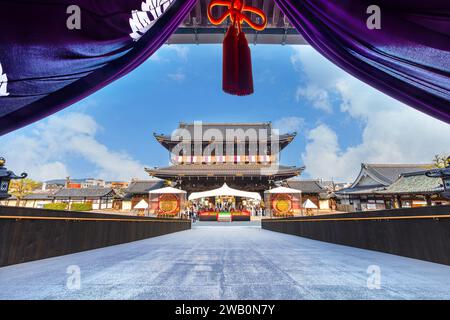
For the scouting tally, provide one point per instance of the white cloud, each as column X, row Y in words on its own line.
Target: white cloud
column 181, row 51
column 42, row 153
column 392, row 132
column 178, row 76
column 163, row 54
column 318, row 97
column 289, row 124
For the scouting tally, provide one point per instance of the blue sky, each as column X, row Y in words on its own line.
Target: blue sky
column 341, row 121
column 173, row 88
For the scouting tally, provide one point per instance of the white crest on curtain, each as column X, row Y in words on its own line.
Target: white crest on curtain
column 3, row 83
column 142, row 20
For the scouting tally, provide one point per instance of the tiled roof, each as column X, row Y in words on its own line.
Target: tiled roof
column 84, row 193
column 38, row 196
column 225, row 169
column 416, row 182
column 225, row 132
column 306, row 186
column 388, row 173
column 144, row 186
column 360, row 190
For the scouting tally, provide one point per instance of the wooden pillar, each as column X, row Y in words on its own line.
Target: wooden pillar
column 428, row 200
column 399, row 201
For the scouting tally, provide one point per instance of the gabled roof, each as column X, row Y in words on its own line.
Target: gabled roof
column 385, row 174
column 306, row 186
column 84, row 193
column 360, row 190
column 206, row 133
column 144, row 186
column 228, row 125
column 415, row 182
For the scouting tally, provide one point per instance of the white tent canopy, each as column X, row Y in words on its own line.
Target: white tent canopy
column 225, row 190
column 141, row 205
column 167, row 190
column 282, row 190
column 308, row 204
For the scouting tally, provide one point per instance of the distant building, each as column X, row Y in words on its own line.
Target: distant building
column 90, row 182
column 52, row 185
column 100, row 198
column 139, row 190
column 415, row 189
column 312, row 190
column 117, row 184
column 364, row 193
column 36, row 200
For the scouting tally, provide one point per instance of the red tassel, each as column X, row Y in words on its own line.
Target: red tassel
column 230, row 61
column 245, row 74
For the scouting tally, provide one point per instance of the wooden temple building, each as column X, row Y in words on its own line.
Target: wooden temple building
column 388, row 186
column 204, row 156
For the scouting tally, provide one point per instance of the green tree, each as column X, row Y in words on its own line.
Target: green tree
column 22, row 187
column 440, row 161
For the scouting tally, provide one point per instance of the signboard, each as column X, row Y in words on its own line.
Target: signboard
column 282, row 204
column 169, row 204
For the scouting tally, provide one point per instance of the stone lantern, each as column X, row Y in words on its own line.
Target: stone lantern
column 5, row 177
column 444, row 174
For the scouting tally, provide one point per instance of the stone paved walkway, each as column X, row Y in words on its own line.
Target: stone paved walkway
column 226, row 262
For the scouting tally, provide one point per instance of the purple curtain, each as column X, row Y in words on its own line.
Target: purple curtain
column 408, row 58
column 49, row 61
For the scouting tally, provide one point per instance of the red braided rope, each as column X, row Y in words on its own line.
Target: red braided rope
column 236, row 11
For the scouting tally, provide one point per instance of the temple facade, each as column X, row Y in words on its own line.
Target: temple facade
column 204, row 156
column 389, row 186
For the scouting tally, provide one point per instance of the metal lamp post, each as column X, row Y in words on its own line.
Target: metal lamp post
column 444, row 174
column 5, row 178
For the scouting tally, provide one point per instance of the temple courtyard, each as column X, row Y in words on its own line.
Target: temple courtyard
column 226, row 261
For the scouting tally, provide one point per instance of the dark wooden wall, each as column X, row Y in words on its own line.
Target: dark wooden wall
column 31, row 234
column 420, row 233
